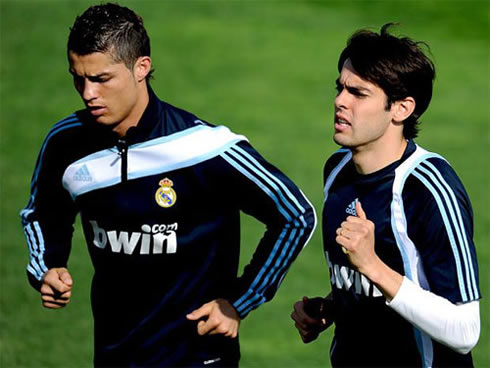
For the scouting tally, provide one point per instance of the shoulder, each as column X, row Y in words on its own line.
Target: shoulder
column 428, row 179
column 66, row 125
column 64, row 131
column 431, row 170
column 177, row 119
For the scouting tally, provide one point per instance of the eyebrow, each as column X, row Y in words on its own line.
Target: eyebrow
column 100, row 75
column 356, row 88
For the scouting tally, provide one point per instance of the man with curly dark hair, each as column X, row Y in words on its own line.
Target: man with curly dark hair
column 403, row 266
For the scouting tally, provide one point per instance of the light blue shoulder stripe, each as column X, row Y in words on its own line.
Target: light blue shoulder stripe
column 267, row 178
column 423, row 341
column 69, row 122
column 249, row 171
column 447, row 223
column 291, row 197
column 457, row 220
column 232, row 161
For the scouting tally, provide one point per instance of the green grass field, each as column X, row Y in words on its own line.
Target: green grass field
column 267, row 70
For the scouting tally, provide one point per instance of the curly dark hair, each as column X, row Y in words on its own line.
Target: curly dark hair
column 110, row 28
column 397, row 65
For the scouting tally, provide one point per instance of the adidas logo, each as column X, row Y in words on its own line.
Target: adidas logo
column 82, row 174
column 351, row 208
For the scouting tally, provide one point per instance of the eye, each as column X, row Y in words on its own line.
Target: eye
column 338, row 87
column 356, row 92
column 78, row 81
column 102, row 79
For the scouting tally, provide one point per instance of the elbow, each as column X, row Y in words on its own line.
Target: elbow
column 469, row 330
column 469, row 338
column 310, row 218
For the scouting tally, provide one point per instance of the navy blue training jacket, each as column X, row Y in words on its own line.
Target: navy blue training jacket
column 160, row 210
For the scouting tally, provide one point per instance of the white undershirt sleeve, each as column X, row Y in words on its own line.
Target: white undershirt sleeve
column 454, row 325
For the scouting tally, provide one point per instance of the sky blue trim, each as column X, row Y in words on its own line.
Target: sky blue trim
column 448, row 228
column 240, row 168
column 399, row 242
column 256, row 303
column 250, row 290
column 60, row 128
column 415, row 163
column 280, row 183
column 406, row 173
column 462, row 235
column 69, row 119
column 268, row 173
column 452, row 219
column 181, row 164
column 42, row 248
column 284, row 258
column 333, row 174
column 137, row 174
column 33, row 272
column 279, row 197
column 280, row 271
column 274, row 269
column 419, row 340
column 63, row 125
column 26, row 212
column 32, row 253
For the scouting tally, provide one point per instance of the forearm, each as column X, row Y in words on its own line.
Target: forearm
column 386, row 279
column 456, row 326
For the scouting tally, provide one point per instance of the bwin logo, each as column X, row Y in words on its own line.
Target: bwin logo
column 351, row 208
column 343, row 277
column 152, row 239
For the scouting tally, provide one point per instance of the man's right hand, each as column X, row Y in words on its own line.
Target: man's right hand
column 308, row 327
column 56, row 288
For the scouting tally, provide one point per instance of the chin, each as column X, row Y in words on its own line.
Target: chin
column 104, row 120
column 337, row 138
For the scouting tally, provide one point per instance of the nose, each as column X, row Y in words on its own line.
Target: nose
column 341, row 100
column 89, row 91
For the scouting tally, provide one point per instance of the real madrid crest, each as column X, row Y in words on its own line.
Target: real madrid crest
column 165, row 196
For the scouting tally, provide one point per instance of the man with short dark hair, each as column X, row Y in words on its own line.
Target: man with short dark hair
column 160, row 193
column 403, row 265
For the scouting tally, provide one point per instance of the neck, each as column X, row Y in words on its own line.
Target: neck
column 376, row 156
column 136, row 113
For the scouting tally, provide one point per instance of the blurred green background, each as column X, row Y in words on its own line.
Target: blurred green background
column 267, row 70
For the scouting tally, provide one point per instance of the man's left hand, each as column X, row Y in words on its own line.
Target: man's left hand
column 219, row 317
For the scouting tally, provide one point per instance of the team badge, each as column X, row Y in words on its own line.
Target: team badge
column 165, row 196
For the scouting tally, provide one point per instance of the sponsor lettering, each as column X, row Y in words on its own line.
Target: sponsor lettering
column 154, row 239
column 343, row 277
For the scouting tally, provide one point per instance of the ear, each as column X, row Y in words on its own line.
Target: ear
column 142, row 67
column 402, row 109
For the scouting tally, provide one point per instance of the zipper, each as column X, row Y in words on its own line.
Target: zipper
column 122, row 146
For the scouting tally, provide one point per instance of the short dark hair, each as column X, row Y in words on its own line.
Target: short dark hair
column 113, row 29
column 397, row 65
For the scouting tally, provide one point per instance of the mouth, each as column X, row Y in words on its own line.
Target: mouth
column 96, row 110
column 341, row 123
